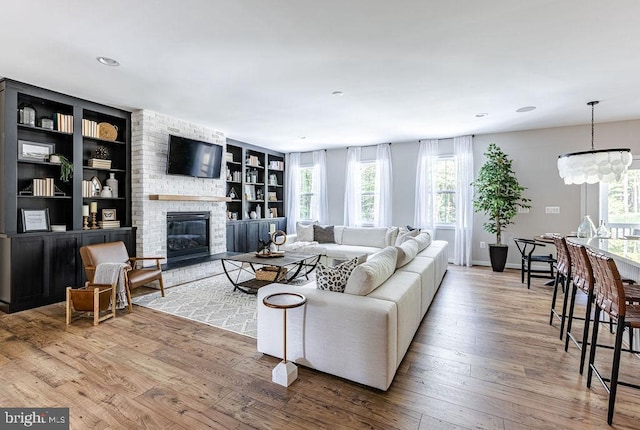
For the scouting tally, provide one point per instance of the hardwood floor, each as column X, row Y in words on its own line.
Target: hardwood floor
column 484, row 357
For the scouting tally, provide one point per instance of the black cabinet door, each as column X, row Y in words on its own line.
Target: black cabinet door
column 29, row 284
column 252, row 236
column 63, row 265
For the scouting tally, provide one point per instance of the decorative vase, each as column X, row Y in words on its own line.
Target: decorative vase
column 253, row 215
column 587, row 228
column 258, row 212
column 113, row 183
column 603, row 230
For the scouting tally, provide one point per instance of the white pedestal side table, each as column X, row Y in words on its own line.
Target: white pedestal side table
column 285, row 372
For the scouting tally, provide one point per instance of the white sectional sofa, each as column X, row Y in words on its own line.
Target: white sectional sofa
column 361, row 334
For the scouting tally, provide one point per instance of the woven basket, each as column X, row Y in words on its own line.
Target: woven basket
column 270, row 274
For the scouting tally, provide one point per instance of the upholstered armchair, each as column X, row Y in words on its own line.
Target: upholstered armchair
column 116, row 252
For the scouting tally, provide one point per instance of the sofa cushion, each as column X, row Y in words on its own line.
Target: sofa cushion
column 334, row 278
column 365, row 236
column 424, row 240
column 338, row 230
column 406, row 252
column 305, row 232
column 370, row 275
column 346, row 251
column 323, row 234
column 405, row 235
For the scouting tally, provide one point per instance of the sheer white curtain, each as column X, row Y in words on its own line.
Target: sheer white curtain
column 463, row 153
column 384, row 181
column 292, row 200
column 319, row 202
column 425, row 215
column 352, row 192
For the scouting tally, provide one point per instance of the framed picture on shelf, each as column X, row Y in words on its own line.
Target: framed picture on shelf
column 35, row 220
column 108, row 214
column 36, row 151
column 273, row 196
column 274, row 212
column 249, row 192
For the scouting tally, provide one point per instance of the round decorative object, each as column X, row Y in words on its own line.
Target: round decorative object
column 107, row 131
column 279, row 237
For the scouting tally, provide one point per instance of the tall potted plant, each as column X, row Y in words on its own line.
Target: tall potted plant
column 499, row 195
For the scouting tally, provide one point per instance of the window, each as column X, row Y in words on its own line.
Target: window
column 367, row 192
column 306, row 193
column 446, row 191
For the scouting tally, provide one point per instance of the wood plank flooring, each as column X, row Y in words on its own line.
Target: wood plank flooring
column 484, row 357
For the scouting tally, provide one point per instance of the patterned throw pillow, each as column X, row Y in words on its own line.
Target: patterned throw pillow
column 323, row 234
column 334, row 278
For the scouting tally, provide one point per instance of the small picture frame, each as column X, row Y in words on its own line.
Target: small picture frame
column 108, row 214
column 36, row 151
column 35, row 220
column 274, row 212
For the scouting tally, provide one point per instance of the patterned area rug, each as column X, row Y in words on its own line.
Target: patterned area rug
column 210, row 301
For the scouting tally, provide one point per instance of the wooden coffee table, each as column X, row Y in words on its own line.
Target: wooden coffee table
column 288, row 267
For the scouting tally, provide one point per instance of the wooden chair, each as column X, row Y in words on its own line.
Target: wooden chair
column 94, row 298
column 116, row 252
column 609, row 293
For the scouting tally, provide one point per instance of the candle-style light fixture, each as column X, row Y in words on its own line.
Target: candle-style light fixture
column 93, row 208
column 596, row 165
column 85, row 217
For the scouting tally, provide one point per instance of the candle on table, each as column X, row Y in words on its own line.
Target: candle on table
column 272, row 228
column 94, row 207
column 85, row 210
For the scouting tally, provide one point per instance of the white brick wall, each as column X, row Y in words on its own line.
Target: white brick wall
column 149, row 144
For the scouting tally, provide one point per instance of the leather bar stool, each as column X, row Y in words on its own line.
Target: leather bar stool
column 563, row 277
column 609, row 294
column 582, row 277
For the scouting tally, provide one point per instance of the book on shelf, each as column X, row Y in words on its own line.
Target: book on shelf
column 253, row 161
column 276, row 165
column 62, row 122
column 99, row 164
column 43, row 187
column 109, row 224
column 89, row 128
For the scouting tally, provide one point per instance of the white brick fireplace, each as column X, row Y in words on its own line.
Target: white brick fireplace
column 149, row 144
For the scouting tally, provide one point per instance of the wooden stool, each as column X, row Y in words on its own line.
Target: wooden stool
column 94, row 298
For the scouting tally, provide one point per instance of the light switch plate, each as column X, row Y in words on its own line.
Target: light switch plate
column 552, row 210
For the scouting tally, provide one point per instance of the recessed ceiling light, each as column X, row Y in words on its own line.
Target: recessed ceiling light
column 481, row 114
column 337, row 93
column 303, row 137
column 526, row 109
column 107, row 61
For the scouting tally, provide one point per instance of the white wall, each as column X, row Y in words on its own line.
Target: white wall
column 534, row 154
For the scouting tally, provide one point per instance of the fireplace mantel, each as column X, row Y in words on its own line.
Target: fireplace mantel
column 179, row 197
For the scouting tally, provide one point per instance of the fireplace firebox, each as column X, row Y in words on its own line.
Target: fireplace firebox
column 187, row 235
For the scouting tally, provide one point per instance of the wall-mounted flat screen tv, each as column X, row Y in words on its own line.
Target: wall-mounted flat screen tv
column 193, row 158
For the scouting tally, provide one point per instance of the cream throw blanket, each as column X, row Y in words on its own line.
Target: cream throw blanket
column 108, row 273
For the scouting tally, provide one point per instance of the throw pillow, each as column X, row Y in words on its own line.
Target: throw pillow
column 424, row 240
column 304, row 232
column 334, row 278
column 368, row 276
column 412, row 228
column 323, row 234
column 406, row 252
column 405, row 235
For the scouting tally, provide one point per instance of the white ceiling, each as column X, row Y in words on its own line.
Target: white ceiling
column 263, row 71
